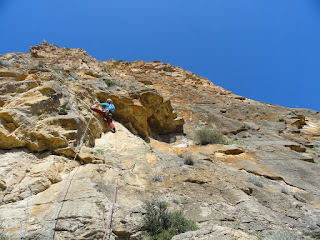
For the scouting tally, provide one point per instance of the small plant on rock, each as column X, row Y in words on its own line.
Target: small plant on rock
column 176, row 201
column 188, row 159
column 3, row 235
column 255, row 181
column 284, row 190
column 39, row 65
column 109, row 82
column 315, row 149
column 107, row 69
column 160, row 224
column 157, row 178
column 209, row 136
column 63, row 111
column 100, row 151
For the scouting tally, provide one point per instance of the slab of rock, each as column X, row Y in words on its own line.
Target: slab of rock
column 231, row 150
column 296, row 147
column 252, row 126
column 215, row 232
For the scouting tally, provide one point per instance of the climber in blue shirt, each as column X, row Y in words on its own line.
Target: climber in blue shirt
column 107, row 110
column 108, row 106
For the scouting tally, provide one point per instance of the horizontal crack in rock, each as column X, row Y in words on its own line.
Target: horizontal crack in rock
column 277, row 178
column 197, row 181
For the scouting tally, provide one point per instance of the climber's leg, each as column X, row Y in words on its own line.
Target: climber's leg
column 109, row 119
column 98, row 111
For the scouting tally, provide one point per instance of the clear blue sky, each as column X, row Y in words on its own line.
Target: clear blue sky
column 266, row 50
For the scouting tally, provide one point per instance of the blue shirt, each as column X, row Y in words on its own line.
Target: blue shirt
column 108, row 106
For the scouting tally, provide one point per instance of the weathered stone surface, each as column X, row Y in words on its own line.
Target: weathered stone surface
column 296, row 148
column 252, row 126
column 268, row 180
column 6, row 63
column 146, row 113
column 9, row 140
column 231, row 150
column 216, row 232
column 48, row 115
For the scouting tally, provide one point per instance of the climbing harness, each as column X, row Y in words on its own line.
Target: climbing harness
column 65, row 185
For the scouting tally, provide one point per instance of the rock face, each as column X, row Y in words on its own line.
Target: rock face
column 42, row 110
column 267, row 181
column 216, row 232
column 145, row 113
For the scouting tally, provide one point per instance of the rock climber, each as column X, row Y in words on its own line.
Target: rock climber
column 107, row 110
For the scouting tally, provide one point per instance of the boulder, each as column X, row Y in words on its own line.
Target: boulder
column 88, row 155
column 5, row 63
column 9, row 140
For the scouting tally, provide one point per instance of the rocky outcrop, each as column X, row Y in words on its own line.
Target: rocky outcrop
column 266, row 180
column 145, row 113
column 43, row 110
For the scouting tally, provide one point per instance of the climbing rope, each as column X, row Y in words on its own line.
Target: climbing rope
column 67, row 180
column 108, row 226
column 26, row 227
column 65, row 189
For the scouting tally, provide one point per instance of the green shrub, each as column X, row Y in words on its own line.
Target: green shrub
column 63, row 111
column 188, row 159
column 180, row 224
column 209, row 136
column 157, row 178
column 176, row 201
column 164, row 235
column 160, row 224
column 3, row 235
column 109, row 82
column 157, row 217
column 39, row 65
column 315, row 149
column 255, row 181
column 100, row 151
column 107, row 69
column 284, row 190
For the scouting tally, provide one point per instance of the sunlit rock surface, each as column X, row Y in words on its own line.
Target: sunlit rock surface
column 267, row 179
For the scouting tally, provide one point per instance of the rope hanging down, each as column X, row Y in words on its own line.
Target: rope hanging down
column 65, row 185
column 108, row 226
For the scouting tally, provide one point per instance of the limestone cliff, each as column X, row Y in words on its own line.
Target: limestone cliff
column 267, row 180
